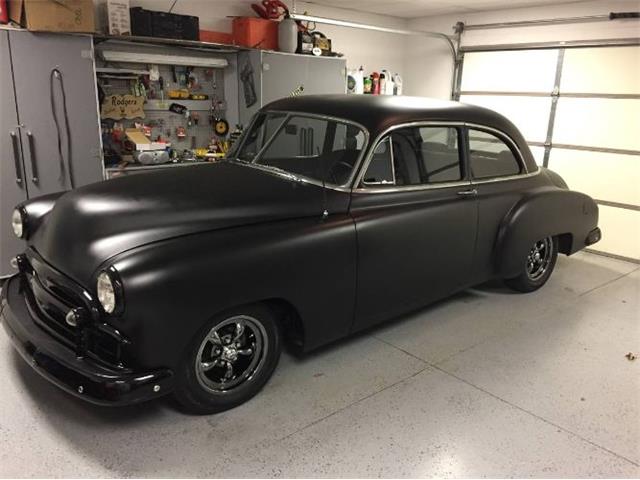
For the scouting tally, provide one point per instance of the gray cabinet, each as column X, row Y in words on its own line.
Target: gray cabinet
column 50, row 126
column 13, row 187
column 274, row 75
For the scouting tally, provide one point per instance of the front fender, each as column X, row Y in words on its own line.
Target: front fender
column 546, row 211
column 172, row 288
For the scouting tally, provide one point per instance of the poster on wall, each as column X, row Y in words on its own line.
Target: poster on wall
column 117, row 107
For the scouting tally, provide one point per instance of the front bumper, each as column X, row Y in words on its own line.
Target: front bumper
column 58, row 364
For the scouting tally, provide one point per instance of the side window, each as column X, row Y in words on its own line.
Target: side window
column 440, row 154
column 380, row 169
column 417, row 156
column 490, row 157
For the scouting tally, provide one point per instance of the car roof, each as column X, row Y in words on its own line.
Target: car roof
column 379, row 112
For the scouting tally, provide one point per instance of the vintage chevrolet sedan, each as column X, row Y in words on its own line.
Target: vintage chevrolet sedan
column 332, row 214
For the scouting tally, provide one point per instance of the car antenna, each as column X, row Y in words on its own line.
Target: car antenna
column 325, row 212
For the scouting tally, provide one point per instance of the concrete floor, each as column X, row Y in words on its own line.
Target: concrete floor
column 488, row 383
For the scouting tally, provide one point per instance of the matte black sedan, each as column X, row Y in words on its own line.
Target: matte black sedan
column 332, row 214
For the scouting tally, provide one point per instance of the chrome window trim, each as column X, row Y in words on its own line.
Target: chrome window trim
column 393, row 166
column 345, row 187
column 504, row 137
column 359, row 185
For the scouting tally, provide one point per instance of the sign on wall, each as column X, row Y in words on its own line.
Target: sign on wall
column 118, row 107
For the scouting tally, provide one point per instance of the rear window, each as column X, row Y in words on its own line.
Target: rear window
column 490, row 156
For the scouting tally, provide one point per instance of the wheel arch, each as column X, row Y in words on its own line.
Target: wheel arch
column 545, row 212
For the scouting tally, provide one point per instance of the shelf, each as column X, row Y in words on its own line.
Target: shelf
column 192, row 105
column 120, row 71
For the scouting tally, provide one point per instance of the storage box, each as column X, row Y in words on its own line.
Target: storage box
column 255, row 33
column 53, row 15
column 149, row 23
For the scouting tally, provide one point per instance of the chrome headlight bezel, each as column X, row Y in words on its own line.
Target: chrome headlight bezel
column 18, row 222
column 109, row 291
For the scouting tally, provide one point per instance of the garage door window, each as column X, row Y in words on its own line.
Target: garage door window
column 490, row 156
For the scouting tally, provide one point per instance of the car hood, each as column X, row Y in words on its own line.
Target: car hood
column 89, row 225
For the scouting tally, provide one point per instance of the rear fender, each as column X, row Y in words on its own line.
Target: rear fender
column 547, row 211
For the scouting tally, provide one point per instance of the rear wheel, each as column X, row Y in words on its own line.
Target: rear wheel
column 229, row 360
column 537, row 267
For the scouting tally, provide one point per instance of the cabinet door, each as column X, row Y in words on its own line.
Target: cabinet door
column 12, row 184
column 42, row 95
column 285, row 74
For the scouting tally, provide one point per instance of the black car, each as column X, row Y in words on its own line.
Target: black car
column 331, row 214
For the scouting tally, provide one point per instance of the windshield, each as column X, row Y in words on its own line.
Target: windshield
column 306, row 146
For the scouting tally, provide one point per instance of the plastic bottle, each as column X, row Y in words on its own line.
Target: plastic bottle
column 375, row 83
column 383, row 83
column 367, row 85
column 360, row 80
column 288, row 35
column 397, row 82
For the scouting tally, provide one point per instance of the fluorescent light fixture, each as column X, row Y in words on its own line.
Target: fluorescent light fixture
column 162, row 59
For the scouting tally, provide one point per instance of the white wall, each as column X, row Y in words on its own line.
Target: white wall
column 428, row 65
column 372, row 50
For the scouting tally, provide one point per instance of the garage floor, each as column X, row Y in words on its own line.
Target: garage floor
column 488, row 383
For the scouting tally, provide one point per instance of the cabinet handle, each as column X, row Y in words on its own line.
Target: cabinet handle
column 32, row 156
column 16, row 157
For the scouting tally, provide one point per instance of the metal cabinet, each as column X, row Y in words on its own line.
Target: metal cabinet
column 49, row 126
column 13, row 188
column 267, row 76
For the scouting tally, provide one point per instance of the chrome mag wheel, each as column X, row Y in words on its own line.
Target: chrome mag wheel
column 231, row 353
column 539, row 258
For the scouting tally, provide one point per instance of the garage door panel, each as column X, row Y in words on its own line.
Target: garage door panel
column 620, row 232
column 605, row 176
column 529, row 114
column 598, row 122
column 517, row 71
column 598, row 70
column 538, row 154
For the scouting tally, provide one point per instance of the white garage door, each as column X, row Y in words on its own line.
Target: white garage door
column 579, row 109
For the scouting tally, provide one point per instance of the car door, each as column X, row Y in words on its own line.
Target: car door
column 499, row 176
column 415, row 215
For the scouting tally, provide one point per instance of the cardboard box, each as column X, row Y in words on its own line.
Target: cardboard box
column 117, row 16
column 53, row 15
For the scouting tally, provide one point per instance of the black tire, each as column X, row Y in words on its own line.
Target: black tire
column 203, row 392
column 535, row 273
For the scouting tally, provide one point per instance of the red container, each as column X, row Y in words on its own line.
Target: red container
column 255, row 33
column 4, row 15
column 216, row 37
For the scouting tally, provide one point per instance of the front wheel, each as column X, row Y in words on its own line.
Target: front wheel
column 229, row 360
column 537, row 267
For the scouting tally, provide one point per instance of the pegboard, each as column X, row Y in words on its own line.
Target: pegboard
column 164, row 123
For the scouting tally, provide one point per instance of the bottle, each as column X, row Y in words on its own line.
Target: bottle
column 360, row 80
column 375, row 83
column 397, row 82
column 367, row 85
column 288, row 35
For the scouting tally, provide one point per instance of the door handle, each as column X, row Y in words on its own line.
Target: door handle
column 16, row 157
column 468, row 193
column 32, row 156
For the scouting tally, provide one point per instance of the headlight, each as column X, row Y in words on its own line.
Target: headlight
column 17, row 223
column 109, row 291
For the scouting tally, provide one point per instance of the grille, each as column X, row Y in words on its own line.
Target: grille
column 50, row 297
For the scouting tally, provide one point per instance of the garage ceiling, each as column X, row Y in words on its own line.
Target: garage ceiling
column 423, row 8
